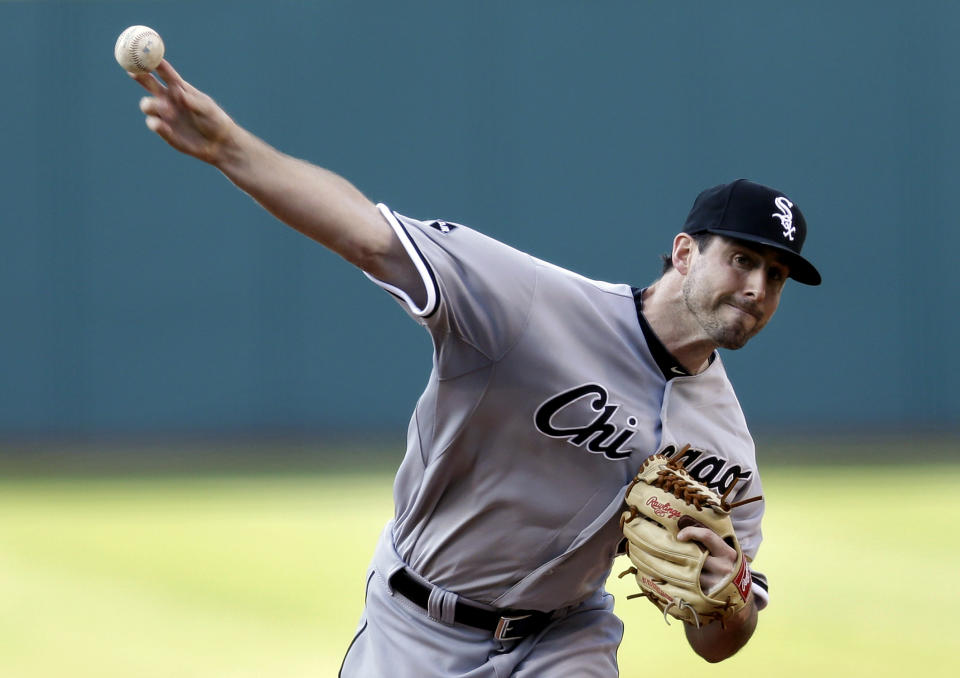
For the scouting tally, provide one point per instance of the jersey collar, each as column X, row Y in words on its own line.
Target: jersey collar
column 668, row 364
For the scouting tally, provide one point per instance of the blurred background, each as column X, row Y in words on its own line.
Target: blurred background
column 159, row 328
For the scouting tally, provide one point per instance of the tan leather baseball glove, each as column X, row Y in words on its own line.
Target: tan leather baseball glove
column 661, row 501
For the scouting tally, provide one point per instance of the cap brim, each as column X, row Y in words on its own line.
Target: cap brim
column 801, row 270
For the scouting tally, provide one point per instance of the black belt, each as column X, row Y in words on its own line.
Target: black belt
column 503, row 624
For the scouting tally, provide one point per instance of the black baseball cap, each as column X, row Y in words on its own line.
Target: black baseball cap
column 744, row 210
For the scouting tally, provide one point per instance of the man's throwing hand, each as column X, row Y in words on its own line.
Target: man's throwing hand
column 183, row 116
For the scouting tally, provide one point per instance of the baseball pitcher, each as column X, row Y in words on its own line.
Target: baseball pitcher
column 566, row 421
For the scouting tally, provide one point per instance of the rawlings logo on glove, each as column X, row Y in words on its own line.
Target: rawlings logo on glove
column 662, row 500
column 663, row 510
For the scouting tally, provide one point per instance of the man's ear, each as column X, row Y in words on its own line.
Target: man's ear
column 684, row 247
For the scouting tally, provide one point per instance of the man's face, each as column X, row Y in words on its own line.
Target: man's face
column 733, row 289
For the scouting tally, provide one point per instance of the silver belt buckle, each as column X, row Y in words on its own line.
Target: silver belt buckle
column 503, row 627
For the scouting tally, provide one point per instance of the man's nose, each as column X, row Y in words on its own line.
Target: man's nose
column 756, row 287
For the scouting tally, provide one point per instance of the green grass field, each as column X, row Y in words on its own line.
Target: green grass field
column 262, row 575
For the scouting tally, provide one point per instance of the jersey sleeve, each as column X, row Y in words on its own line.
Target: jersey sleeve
column 761, row 590
column 747, row 519
column 479, row 291
column 747, row 524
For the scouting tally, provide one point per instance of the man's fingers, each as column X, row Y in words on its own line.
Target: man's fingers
column 156, row 107
column 167, row 71
column 154, row 123
column 170, row 76
column 693, row 534
column 707, row 537
column 148, row 82
column 163, row 130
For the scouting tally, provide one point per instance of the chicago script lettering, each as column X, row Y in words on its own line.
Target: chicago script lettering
column 599, row 435
column 709, row 469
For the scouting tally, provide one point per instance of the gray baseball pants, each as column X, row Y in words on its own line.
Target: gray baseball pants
column 398, row 639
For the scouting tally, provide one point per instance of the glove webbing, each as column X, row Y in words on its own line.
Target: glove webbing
column 682, row 489
column 669, row 481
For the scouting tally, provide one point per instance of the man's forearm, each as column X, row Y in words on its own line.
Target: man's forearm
column 715, row 643
column 314, row 201
column 317, row 202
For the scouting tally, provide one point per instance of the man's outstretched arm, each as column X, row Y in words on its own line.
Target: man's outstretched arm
column 317, row 202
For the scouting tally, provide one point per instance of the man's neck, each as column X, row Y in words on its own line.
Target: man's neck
column 675, row 326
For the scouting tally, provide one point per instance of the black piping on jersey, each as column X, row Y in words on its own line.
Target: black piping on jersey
column 352, row 643
column 667, row 363
column 433, row 277
column 760, row 580
column 363, row 628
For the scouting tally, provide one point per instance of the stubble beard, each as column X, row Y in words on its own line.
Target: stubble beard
column 730, row 335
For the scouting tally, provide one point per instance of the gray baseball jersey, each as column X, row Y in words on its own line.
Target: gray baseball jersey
column 547, row 392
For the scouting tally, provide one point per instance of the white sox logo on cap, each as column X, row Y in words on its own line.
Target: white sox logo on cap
column 785, row 216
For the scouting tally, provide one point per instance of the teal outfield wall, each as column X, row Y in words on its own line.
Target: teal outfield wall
column 143, row 294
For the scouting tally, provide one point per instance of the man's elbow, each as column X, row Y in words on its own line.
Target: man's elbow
column 715, row 643
column 716, row 654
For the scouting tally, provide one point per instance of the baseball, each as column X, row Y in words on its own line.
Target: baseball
column 139, row 49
